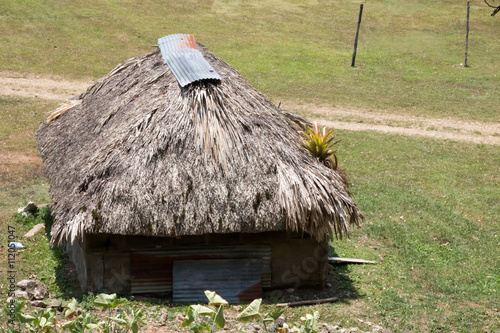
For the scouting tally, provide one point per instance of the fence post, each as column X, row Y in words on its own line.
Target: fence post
column 467, row 34
column 357, row 35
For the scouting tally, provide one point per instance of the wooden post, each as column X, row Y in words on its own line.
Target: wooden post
column 467, row 34
column 357, row 35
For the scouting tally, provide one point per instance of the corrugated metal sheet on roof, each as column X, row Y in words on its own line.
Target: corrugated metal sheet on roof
column 181, row 54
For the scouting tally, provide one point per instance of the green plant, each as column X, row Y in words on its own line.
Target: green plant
column 308, row 324
column 252, row 312
column 79, row 323
column 44, row 321
column 130, row 321
column 320, row 143
column 85, row 322
column 201, row 318
column 19, row 316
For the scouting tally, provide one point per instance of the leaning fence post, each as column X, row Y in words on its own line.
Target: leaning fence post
column 467, row 34
column 357, row 35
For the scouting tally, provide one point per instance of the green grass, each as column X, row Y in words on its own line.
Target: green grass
column 431, row 207
column 431, row 223
column 296, row 51
column 432, row 215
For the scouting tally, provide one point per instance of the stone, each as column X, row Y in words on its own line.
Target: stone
column 54, row 303
column 40, row 292
column 21, row 294
column 280, row 321
column 36, row 290
column 26, row 284
column 330, row 328
column 38, row 304
column 30, row 209
column 253, row 328
column 290, row 290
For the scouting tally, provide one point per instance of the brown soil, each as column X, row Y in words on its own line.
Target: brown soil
column 57, row 88
column 37, row 86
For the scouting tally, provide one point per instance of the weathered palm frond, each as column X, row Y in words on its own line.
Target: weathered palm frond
column 141, row 156
column 69, row 104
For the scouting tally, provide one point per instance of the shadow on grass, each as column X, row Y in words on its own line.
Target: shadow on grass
column 338, row 284
column 65, row 278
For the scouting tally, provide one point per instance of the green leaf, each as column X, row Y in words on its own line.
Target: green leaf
column 273, row 316
column 251, row 312
column 108, row 301
column 91, row 326
column 194, row 312
column 68, row 324
column 118, row 320
column 203, row 310
column 219, row 320
column 70, row 309
column 214, row 299
column 25, row 318
column 135, row 327
column 104, row 301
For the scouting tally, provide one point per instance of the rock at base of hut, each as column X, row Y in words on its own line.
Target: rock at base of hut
column 38, row 304
column 36, row 290
column 26, row 284
column 30, row 209
column 54, row 303
column 21, row 294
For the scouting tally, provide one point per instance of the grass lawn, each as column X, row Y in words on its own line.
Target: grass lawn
column 431, row 206
column 408, row 59
column 431, row 212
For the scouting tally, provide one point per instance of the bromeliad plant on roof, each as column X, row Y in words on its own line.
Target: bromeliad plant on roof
column 320, row 143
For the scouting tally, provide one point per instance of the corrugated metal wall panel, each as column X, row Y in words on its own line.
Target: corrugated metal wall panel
column 151, row 270
column 181, row 54
column 234, row 279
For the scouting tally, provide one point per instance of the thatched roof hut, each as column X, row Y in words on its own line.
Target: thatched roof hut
column 137, row 155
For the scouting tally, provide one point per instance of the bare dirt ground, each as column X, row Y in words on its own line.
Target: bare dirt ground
column 57, row 88
column 37, row 86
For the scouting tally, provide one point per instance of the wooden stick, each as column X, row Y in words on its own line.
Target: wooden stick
column 467, row 34
column 357, row 35
column 351, row 260
column 313, row 302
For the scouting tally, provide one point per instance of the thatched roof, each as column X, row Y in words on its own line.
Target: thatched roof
column 137, row 155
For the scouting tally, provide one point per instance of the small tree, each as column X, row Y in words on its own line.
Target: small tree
column 497, row 8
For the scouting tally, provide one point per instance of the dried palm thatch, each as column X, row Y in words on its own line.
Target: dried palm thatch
column 138, row 155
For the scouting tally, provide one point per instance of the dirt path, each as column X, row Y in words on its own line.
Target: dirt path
column 46, row 87
column 56, row 88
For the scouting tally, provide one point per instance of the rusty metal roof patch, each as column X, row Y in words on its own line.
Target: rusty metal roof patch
column 181, row 54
